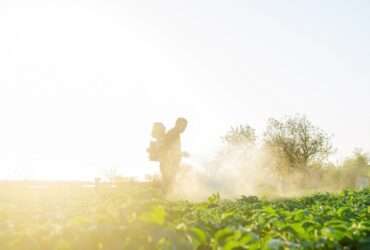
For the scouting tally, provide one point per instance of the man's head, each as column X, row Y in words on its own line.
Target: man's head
column 181, row 124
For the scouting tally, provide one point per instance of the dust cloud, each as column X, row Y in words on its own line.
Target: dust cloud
column 251, row 171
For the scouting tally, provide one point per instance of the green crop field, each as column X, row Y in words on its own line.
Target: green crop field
column 136, row 217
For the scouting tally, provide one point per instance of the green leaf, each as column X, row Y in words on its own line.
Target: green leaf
column 275, row 244
column 222, row 233
column 156, row 215
column 200, row 235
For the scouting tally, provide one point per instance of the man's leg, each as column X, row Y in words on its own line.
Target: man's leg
column 173, row 169
column 166, row 176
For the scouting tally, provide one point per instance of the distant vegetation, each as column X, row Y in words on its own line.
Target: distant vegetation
column 296, row 153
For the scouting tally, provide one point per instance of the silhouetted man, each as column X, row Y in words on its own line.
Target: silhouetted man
column 167, row 150
column 172, row 152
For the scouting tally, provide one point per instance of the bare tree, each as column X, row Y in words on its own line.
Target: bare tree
column 240, row 135
column 355, row 168
column 297, row 141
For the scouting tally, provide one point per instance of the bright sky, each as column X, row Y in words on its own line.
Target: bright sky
column 82, row 81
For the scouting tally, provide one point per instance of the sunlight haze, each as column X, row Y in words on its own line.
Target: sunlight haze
column 81, row 82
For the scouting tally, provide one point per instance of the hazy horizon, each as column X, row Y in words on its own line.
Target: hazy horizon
column 81, row 82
